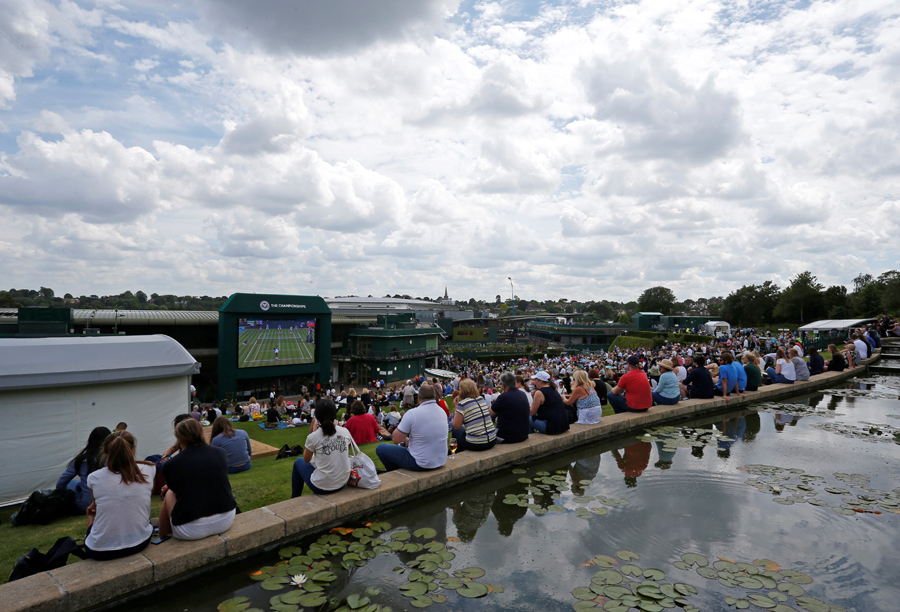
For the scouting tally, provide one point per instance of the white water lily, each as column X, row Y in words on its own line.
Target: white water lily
column 298, row 580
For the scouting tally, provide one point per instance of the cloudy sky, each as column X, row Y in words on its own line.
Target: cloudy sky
column 588, row 149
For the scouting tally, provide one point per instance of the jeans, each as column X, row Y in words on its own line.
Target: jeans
column 539, row 426
column 237, row 469
column 619, row 404
column 302, row 474
column 83, row 497
column 663, row 401
column 396, row 457
column 778, row 378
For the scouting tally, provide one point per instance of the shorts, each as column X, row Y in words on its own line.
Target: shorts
column 204, row 527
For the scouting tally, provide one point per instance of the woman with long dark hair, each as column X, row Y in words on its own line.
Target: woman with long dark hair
column 198, row 502
column 235, row 442
column 119, row 518
column 325, row 464
column 85, row 462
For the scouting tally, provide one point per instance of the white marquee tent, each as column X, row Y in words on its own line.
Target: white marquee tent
column 838, row 324
column 54, row 391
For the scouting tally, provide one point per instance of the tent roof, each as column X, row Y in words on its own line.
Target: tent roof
column 26, row 363
column 826, row 324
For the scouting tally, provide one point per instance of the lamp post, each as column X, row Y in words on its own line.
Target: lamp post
column 512, row 295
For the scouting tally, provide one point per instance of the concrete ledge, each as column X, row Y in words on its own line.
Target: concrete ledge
column 90, row 584
column 38, row 593
column 252, row 530
column 177, row 557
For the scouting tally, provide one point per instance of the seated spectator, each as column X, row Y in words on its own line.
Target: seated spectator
column 800, row 368
column 861, row 346
column 198, row 502
column 874, row 337
column 585, row 398
column 325, row 464
column 272, row 415
column 851, row 355
column 512, row 411
column 472, row 425
column 363, row 427
column 699, row 382
column 728, row 376
column 196, row 414
column 253, row 407
column 424, row 430
column 119, row 518
column 548, row 412
column 836, row 363
column 235, row 443
column 783, row 372
column 122, row 426
column 599, row 386
column 667, row 392
column 632, row 392
column 751, row 371
column 816, row 363
column 86, row 462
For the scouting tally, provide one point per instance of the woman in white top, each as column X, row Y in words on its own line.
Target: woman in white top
column 119, row 518
column 325, row 465
column 784, row 371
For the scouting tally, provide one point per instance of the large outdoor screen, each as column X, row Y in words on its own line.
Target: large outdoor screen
column 275, row 341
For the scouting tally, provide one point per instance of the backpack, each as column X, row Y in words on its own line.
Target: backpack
column 43, row 507
column 36, row 561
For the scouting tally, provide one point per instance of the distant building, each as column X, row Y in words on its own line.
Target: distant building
column 446, row 301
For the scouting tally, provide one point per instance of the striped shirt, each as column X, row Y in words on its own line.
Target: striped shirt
column 477, row 421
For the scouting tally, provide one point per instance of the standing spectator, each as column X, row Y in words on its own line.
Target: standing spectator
column 235, row 443
column 197, row 497
column 632, row 392
column 325, row 464
column 119, row 518
column 512, row 411
column 409, row 395
column 424, row 430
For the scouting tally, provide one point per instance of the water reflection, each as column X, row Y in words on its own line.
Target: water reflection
column 633, row 460
column 782, row 419
column 469, row 515
column 665, row 457
column 507, row 515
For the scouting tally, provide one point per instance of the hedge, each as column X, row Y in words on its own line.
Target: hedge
column 629, row 342
column 671, row 336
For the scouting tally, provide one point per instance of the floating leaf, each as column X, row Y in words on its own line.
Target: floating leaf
column 627, row 555
column 439, row 598
column 604, row 561
column 794, row 590
column 555, row 508
column 235, row 604
column 291, row 598
column 585, row 605
column 472, row 590
column 519, row 471
column 425, row 532
column 469, row 572
column 401, row 535
column 812, row 605
column 273, row 584
column 413, row 589
column 767, row 564
column 608, row 576
column 764, row 602
column 682, row 565
column 583, row 593
column 631, row 570
column 311, row 600
column 290, row 551
column 654, row 574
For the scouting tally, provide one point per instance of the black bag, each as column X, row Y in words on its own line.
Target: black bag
column 36, row 561
column 43, row 507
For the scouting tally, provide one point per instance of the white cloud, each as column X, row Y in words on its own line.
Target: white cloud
column 145, row 64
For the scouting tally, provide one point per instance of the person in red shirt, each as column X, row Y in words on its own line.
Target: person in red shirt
column 632, row 392
column 362, row 426
column 635, row 461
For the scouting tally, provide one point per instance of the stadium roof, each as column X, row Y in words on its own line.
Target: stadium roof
column 87, row 317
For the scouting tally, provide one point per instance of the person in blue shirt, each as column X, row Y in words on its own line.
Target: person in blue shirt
column 84, row 463
column 667, row 390
column 728, row 377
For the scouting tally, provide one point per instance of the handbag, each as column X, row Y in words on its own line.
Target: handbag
column 362, row 470
column 36, row 561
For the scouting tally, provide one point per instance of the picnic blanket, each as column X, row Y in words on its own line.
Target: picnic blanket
column 281, row 425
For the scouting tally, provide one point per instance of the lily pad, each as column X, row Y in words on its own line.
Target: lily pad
column 425, row 532
column 654, row 574
column 274, row 584
column 472, row 590
column 608, row 576
column 812, row 604
column 519, row 471
column 789, row 588
column 584, row 605
column 630, row 569
column 356, row 602
column 401, row 536
column 604, row 561
column 235, row 604
column 414, row 589
column 312, row 600
column 763, row 602
column 583, row 593
column 627, row 555
column 695, row 559
column 290, row 551
column 767, row 564
column 469, row 572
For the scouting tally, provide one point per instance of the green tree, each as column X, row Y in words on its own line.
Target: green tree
column 751, row 305
column 867, row 302
column 860, row 282
column 657, row 299
column 802, row 301
column 141, row 297
column 838, row 302
column 623, row 319
column 47, row 292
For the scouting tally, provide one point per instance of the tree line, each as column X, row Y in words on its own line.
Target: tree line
column 45, row 296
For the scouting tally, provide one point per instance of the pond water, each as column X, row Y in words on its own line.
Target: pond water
column 659, row 499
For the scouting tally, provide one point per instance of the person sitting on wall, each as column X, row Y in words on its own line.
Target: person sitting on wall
column 728, row 376
column 667, row 391
column 325, row 464
column 783, row 372
column 751, row 371
column 632, row 392
column 800, row 368
column 119, row 517
column 512, row 410
column 420, row 440
column 699, row 382
column 548, row 411
column 836, row 363
column 472, row 425
column 861, row 346
column 197, row 497
column 816, row 363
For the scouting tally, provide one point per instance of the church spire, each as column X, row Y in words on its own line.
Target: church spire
column 446, row 297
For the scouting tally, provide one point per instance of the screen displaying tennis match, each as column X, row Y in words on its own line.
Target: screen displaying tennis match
column 276, row 341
